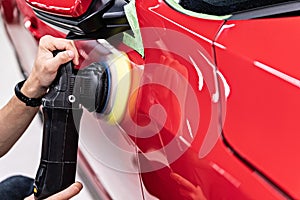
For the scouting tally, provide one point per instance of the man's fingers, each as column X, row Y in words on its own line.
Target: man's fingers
column 61, row 58
column 50, row 43
column 68, row 193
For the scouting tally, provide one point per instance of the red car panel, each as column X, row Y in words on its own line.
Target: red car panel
column 258, row 58
column 35, row 26
column 159, row 14
column 196, row 76
column 65, row 8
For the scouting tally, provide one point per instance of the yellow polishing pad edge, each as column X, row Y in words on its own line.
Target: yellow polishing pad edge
column 121, row 64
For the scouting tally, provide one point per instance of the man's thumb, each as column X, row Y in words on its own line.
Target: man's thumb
column 63, row 57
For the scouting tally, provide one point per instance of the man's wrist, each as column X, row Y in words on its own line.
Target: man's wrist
column 24, row 97
column 32, row 88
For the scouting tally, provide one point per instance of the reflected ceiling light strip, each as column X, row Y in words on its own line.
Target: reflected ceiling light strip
column 189, row 128
column 216, row 95
column 225, row 84
column 277, row 73
column 181, row 26
column 200, row 76
column 185, row 141
column 224, row 173
column 219, row 45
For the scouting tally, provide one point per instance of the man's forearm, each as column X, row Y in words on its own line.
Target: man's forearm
column 16, row 116
column 14, row 119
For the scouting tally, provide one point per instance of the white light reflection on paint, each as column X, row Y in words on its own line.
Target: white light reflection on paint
column 219, row 45
column 226, row 175
column 215, row 96
column 226, row 86
column 189, row 128
column 226, row 26
column 277, row 73
column 200, row 76
column 27, row 24
column 184, row 141
column 40, row 5
column 179, row 25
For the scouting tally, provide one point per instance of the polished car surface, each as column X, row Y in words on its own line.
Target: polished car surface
column 208, row 109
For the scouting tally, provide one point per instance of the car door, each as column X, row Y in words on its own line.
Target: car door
column 259, row 60
column 179, row 104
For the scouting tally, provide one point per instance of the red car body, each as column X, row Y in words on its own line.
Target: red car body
column 229, row 90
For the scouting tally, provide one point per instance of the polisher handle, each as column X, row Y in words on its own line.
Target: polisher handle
column 57, row 167
column 62, row 117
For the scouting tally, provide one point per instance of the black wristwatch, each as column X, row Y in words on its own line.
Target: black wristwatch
column 33, row 102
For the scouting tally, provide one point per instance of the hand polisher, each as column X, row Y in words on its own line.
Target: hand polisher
column 101, row 87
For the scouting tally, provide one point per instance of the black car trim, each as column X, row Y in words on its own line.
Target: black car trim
column 267, row 11
column 67, row 26
column 78, row 25
column 102, row 21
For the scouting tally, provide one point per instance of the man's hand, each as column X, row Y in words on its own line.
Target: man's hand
column 66, row 194
column 46, row 65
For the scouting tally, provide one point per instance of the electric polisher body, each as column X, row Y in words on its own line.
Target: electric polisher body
column 62, row 112
column 101, row 87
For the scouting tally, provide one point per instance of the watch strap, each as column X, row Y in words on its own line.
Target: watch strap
column 33, row 102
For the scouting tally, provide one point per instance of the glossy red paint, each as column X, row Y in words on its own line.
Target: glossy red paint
column 259, row 61
column 155, row 13
column 198, row 171
column 7, row 10
column 256, row 155
column 71, row 8
column 28, row 19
